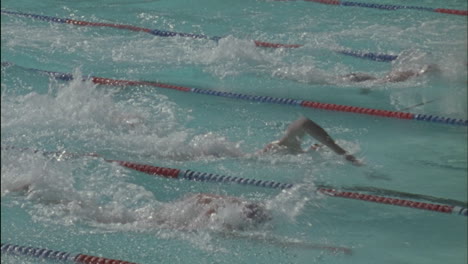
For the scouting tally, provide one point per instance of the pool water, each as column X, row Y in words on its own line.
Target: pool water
column 87, row 205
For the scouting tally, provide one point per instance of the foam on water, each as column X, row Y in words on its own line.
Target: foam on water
column 86, row 113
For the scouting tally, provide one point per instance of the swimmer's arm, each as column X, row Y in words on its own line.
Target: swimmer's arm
column 354, row 160
column 351, row 158
column 296, row 130
column 323, row 137
column 292, row 136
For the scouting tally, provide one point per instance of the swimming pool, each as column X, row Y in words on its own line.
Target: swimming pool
column 87, row 205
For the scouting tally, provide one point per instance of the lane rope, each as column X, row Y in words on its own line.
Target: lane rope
column 190, row 175
column 398, row 202
column 48, row 254
column 217, row 178
column 263, row 99
column 389, row 7
column 399, row 194
column 163, row 33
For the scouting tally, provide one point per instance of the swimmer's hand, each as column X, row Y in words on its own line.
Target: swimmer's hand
column 353, row 160
column 348, row 157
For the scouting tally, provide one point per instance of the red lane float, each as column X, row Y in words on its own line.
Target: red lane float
column 398, row 202
column 451, row 11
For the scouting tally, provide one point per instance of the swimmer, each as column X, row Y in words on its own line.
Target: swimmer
column 290, row 143
column 319, row 77
column 231, row 212
column 194, row 211
column 229, row 217
column 393, row 76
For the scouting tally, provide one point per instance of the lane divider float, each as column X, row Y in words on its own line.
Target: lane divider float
column 263, row 99
column 164, row 33
column 48, row 254
column 458, row 210
column 389, row 7
column 173, row 173
column 399, row 194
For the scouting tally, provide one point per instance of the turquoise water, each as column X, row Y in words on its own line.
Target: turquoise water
column 86, row 205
